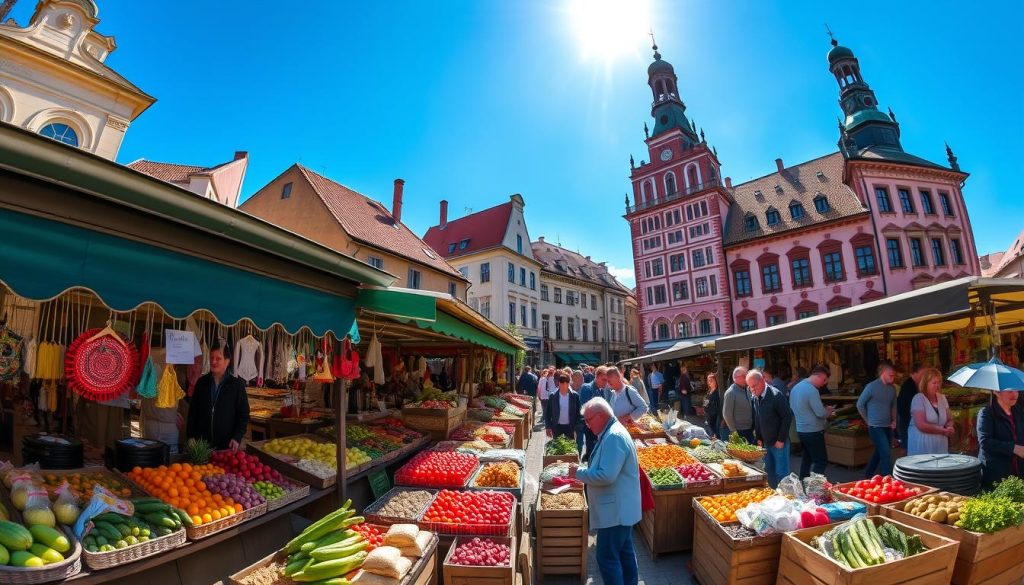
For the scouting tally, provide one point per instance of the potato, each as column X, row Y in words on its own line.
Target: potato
column 938, row 515
column 952, row 518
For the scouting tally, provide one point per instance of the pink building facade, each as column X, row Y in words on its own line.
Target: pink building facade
column 853, row 226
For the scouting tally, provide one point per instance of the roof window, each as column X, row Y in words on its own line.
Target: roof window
column 463, row 244
column 430, row 254
column 751, row 223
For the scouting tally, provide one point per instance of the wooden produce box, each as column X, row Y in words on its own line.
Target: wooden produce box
column 873, row 508
column 469, row 575
column 982, row 559
column 802, row 564
column 435, row 422
column 849, row 450
column 754, row 478
column 724, row 560
column 287, row 467
column 569, row 458
column 562, row 541
column 669, row 526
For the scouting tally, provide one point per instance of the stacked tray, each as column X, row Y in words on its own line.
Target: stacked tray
column 959, row 474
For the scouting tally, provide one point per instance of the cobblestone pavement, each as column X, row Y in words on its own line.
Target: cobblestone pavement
column 668, row 569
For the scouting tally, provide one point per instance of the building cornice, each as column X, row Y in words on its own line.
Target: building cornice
column 581, row 282
column 905, row 170
column 832, row 223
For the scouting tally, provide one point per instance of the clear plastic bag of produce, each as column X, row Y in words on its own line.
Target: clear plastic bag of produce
column 770, row 516
column 792, row 487
column 517, row 455
column 67, row 507
column 693, row 432
column 818, row 488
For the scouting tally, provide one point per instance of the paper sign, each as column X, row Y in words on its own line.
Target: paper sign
column 383, row 407
column 379, row 483
column 181, row 346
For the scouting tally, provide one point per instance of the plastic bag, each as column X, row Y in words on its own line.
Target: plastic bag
column 102, row 501
column 770, row 516
column 843, row 510
column 22, row 484
column 36, row 508
column 818, row 488
column 791, row 486
column 66, row 508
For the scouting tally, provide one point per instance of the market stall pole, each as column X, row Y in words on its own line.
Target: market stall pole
column 340, row 423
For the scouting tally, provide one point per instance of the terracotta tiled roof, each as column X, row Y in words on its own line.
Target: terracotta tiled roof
column 369, row 221
column 802, row 184
column 169, row 172
column 472, row 233
column 559, row 260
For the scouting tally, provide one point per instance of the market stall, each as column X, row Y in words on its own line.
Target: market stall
column 944, row 325
column 109, row 279
column 697, row 355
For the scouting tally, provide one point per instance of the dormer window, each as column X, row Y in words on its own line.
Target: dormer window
column 778, row 188
column 430, row 253
column 60, row 133
column 451, row 247
column 758, row 194
column 796, row 210
column 751, row 223
column 772, row 216
column 463, row 244
column 820, row 175
column 821, row 203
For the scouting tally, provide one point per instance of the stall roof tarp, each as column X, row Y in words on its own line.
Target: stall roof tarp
column 43, row 258
column 935, row 310
column 682, row 349
column 439, row 313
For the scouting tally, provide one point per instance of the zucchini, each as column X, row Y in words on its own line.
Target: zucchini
column 321, row 528
column 850, row 549
column 332, row 538
column 338, row 552
column 875, row 552
column 108, row 530
column 162, row 519
column 330, row 569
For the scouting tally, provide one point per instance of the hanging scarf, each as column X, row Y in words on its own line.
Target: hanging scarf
column 168, row 391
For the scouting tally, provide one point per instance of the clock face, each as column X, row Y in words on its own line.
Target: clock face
column 666, row 154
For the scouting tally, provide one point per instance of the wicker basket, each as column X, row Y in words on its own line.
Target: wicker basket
column 105, row 560
column 293, row 495
column 746, row 456
column 211, row 528
column 69, row 567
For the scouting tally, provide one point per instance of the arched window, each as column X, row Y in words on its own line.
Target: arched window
column 692, row 176
column 646, row 192
column 61, row 133
column 670, row 183
column 663, row 331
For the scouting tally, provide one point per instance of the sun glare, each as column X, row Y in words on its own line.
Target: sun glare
column 609, row 29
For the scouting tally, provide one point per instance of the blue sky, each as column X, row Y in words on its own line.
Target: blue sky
column 474, row 101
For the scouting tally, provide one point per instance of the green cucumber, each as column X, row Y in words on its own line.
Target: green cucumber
column 868, row 537
column 161, row 519
column 338, row 552
column 320, row 528
column 330, row 569
column 108, row 530
column 332, row 538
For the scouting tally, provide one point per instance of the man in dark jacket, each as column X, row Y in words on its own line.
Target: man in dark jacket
column 772, row 418
column 907, row 393
column 527, row 382
column 589, row 391
column 219, row 410
column 563, row 410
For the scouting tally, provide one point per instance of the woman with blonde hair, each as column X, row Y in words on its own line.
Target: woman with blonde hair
column 931, row 422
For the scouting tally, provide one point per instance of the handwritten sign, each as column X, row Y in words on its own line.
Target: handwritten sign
column 181, row 346
column 379, row 483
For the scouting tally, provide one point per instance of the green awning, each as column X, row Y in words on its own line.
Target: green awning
column 420, row 308
column 42, row 258
column 563, row 357
column 591, row 359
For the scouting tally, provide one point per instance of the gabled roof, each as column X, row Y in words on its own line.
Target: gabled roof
column 558, row 260
column 370, row 222
column 803, row 183
column 480, row 231
column 170, row 172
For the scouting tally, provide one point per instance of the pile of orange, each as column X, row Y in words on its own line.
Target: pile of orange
column 181, row 485
column 723, row 507
column 81, row 484
column 664, row 455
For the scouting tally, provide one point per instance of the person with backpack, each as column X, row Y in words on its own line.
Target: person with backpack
column 626, row 402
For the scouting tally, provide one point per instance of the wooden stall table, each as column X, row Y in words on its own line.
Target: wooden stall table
column 285, row 427
column 721, row 559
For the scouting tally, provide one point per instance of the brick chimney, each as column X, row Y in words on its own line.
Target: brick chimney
column 728, row 182
column 396, row 203
column 241, row 154
column 444, row 213
column 778, row 163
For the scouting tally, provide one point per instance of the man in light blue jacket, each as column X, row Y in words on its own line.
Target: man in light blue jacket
column 613, row 492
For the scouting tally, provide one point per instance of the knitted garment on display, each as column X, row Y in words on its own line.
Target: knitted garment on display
column 101, row 369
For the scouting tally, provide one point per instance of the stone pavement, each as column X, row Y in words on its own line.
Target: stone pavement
column 668, row 569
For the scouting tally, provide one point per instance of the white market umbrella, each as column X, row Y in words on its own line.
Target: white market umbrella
column 992, row 375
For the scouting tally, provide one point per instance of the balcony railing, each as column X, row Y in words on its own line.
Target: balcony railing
column 708, row 184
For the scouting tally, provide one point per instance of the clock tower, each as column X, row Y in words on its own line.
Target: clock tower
column 679, row 204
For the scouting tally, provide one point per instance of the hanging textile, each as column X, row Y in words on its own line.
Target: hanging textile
column 146, row 387
column 322, row 364
column 10, row 355
column 168, row 391
column 100, row 366
column 375, row 360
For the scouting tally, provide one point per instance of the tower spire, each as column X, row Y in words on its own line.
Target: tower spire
column 668, row 109
column 953, row 164
column 654, row 46
column 865, row 126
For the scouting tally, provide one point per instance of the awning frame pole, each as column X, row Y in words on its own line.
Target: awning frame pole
column 339, row 428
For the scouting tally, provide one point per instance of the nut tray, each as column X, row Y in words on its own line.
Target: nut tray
column 372, row 512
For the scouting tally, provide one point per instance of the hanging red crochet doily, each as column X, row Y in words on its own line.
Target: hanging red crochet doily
column 100, row 369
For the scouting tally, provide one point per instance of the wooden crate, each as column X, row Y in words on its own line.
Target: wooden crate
column 669, row 526
column 464, row 575
column 724, row 560
column 982, row 559
column 436, row 422
column 288, row 468
column 569, row 458
column 872, row 508
column 801, row 564
column 562, row 541
column 754, row 478
column 849, row 450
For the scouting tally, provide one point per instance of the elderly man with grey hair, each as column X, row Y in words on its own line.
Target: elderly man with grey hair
column 737, row 411
column 612, row 478
column 772, row 418
column 576, row 381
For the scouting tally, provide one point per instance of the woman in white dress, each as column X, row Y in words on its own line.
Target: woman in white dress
column 931, row 423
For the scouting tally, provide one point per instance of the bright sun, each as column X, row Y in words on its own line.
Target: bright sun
column 609, row 29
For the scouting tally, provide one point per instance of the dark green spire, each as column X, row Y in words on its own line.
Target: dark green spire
column 865, row 126
column 668, row 109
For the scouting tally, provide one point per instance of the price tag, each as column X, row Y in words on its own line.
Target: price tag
column 379, row 483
